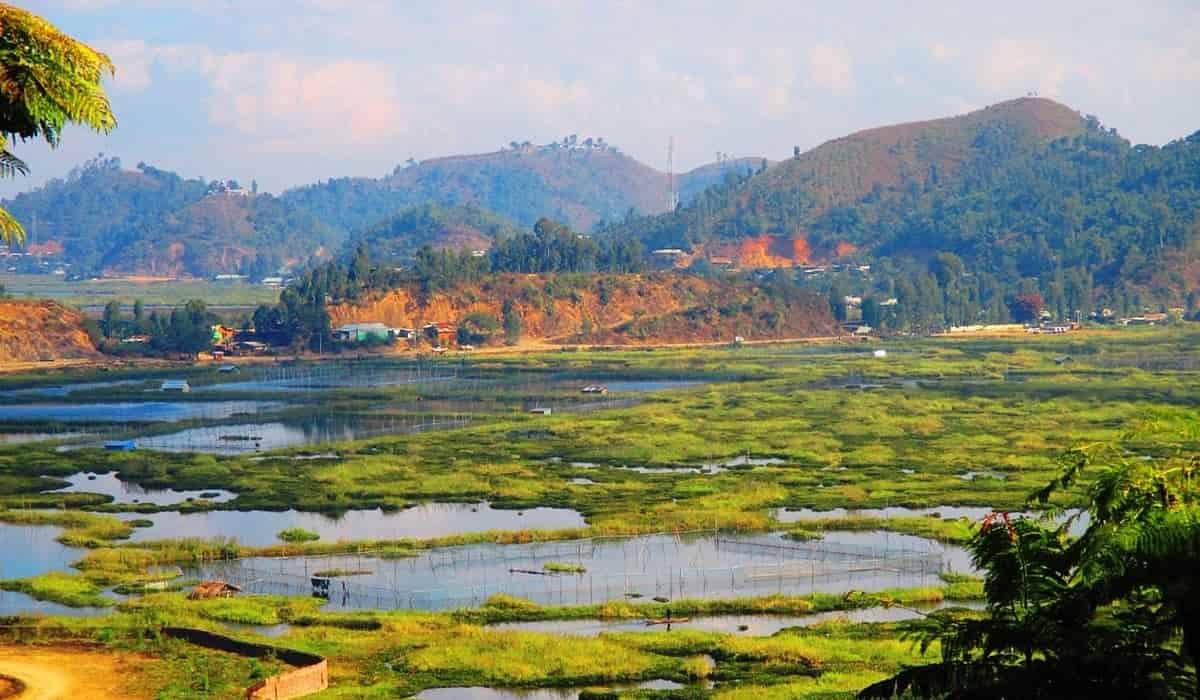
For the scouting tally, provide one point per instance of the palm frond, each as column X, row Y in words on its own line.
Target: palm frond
column 10, row 165
column 48, row 79
column 11, row 230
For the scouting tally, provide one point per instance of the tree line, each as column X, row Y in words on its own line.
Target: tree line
column 185, row 329
column 302, row 317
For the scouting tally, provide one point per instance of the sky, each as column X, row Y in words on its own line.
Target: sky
column 288, row 92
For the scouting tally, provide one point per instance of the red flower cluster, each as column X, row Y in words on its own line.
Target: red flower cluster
column 991, row 521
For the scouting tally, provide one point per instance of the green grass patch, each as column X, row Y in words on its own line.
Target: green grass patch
column 297, row 534
column 59, row 587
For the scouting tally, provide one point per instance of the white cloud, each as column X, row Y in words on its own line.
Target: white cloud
column 358, row 83
column 294, row 105
column 480, row 85
column 1012, row 65
column 830, row 66
column 767, row 77
column 281, row 102
column 942, row 53
column 1177, row 64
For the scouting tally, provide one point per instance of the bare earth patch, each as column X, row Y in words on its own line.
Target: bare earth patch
column 50, row 673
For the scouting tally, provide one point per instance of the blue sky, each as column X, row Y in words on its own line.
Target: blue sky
column 289, row 92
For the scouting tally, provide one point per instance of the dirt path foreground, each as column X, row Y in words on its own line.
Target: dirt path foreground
column 51, row 673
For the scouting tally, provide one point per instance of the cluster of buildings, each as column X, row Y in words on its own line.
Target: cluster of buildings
column 668, row 258
column 440, row 334
column 31, row 261
column 227, row 187
column 275, row 282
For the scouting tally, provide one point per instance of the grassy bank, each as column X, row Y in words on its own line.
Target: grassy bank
column 397, row 654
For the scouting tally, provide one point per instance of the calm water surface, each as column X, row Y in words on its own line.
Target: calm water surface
column 259, row 528
column 29, row 550
column 109, row 484
column 148, row 411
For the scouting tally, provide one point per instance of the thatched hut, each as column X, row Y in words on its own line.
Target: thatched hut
column 213, row 589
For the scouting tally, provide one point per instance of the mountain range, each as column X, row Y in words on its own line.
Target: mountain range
column 105, row 218
column 1029, row 193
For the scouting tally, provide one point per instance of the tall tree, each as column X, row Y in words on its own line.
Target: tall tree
column 47, row 81
column 112, row 318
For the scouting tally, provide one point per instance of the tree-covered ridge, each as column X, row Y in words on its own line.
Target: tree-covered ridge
column 1085, row 222
column 251, row 235
column 788, row 197
column 100, row 208
column 550, row 248
column 105, row 217
column 578, row 184
column 398, row 238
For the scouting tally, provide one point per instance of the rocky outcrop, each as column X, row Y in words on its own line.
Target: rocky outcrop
column 616, row 309
column 32, row 331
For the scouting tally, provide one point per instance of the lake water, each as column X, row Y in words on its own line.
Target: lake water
column 12, row 603
column 788, row 515
column 744, row 625
column 144, row 411
column 973, row 513
column 309, row 430
column 29, row 550
column 333, row 375
column 954, row 558
column 259, row 528
column 12, row 438
column 110, row 484
column 478, row 693
column 66, row 389
column 699, row 565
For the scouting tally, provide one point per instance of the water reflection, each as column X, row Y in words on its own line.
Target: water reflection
column 695, row 565
column 310, row 430
column 259, row 528
column 144, row 411
column 744, row 625
column 109, row 484
column 29, row 550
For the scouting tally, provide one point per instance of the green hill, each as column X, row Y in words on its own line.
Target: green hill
column 104, row 218
column 877, row 164
column 1028, row 194
column 439, row 226
column 578, row 185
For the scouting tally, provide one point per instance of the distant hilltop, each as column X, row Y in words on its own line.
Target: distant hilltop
column 1021, row 194
column 106, row 219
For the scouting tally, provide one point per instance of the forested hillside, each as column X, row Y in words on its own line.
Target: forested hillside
column 797, row 197
column 103, row 218
column 1084, row 222
column 106, row 219
column 455, row 228
column 599, row 308
column 1027, row 195
column 575, row 183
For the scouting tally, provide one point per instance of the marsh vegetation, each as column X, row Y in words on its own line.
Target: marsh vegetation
column 798, row 445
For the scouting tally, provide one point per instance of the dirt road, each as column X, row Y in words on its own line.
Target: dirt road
column 50, row 673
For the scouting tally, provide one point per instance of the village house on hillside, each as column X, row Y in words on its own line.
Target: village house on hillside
column 358, row 332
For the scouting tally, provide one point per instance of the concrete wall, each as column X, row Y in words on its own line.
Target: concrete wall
column 291, row 684
column 312, row 674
